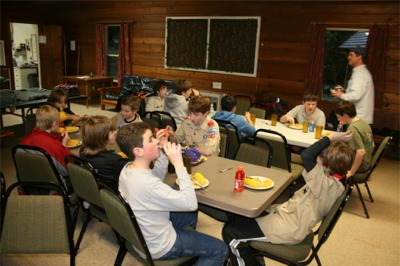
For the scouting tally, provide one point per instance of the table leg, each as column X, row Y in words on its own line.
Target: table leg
column 87, row 94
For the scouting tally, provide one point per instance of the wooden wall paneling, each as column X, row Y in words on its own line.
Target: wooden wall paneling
column 391, row 101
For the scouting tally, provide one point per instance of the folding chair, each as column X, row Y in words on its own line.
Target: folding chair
column 223, row 143
column 123, row 221
column 362, row 178
column 281, row 158
column 34, row 164
column 152, row 119
column 243, row 103
column 231, row 131
column 30, row 120
column 260, row 113
column 37, row 224
column 85, row 184
column 299, row 254
column 255, row 151
column 166, row 119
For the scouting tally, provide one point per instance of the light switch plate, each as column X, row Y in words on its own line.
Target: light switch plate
column 217, row 85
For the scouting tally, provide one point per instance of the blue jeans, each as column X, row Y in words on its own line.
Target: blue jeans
column 211, row 251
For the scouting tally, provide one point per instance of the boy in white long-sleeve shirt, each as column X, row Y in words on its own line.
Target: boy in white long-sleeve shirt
column 152, row 200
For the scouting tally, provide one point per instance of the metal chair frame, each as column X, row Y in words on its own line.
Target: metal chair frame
column 233, row 137
column 140, row 243
column 90, row 195
column 66, row 206
column 323, row 232
column 360, row 178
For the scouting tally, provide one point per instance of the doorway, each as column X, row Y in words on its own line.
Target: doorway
column 25, row 54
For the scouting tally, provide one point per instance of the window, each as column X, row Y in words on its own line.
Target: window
column 227, row 45
column 336, row 68
column 112, row 48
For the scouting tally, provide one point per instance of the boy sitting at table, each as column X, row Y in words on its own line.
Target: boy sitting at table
column 156, row 102
column 97, row 132
column 130, row 105
column 326, row 163
column 305, row 111
column 243, row 124
column 58, row 99
column 161, row 211
column 45, row 136
column 199, row 129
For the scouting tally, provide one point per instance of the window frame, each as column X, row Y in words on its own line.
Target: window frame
column 108, row 55
column 325, row 85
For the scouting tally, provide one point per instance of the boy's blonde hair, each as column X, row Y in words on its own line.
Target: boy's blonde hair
column 130, row 137
column 338, row 157
column 132, row 101
column 95, row 132
column 45, row 117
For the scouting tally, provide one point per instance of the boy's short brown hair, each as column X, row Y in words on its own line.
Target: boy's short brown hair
column 45, row 117
column 345, row 107
column 200, row 104
column 130, row 137
column 182, row 85
column 228, row 102
column 95, row 132
column 338, row 157
column 310, row 97
column 56, row 95
column 132, row 101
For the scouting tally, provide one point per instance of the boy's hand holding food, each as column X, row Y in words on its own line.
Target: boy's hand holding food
column 162, row 136
column 174, row 154
column 65, row 137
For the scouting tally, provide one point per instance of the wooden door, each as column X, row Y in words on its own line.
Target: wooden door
column 51, row 55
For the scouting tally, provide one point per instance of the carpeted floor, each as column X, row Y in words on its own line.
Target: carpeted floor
column 354, row 241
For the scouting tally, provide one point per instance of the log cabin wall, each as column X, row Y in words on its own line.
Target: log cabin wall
column 286, row 28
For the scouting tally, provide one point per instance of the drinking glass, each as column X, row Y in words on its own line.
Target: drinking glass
column 274, row 119
column 318, row 131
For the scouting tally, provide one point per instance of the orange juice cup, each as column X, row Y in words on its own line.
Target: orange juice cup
column 253, row 119
column 305, row 126
column 274, row 119
column 318, row 131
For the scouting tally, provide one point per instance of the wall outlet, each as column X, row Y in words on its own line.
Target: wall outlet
column 217, row 85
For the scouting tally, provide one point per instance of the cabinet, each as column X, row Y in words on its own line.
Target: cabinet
column 21, row 76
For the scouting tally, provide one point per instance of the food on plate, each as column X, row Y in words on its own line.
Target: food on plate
column 327, row 133
column 200, row 178
column 73, row 142
column 257, row 183
column 296, row 126
column 69, row 129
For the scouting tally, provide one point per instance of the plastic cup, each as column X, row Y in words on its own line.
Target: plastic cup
column 318, row 131
column 253, row 119
column 274, row 119
column 305, row 126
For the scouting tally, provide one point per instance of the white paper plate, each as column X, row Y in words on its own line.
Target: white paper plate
column 261, row 178
column 72, row 143
column 295, row 126
column 196, row 186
